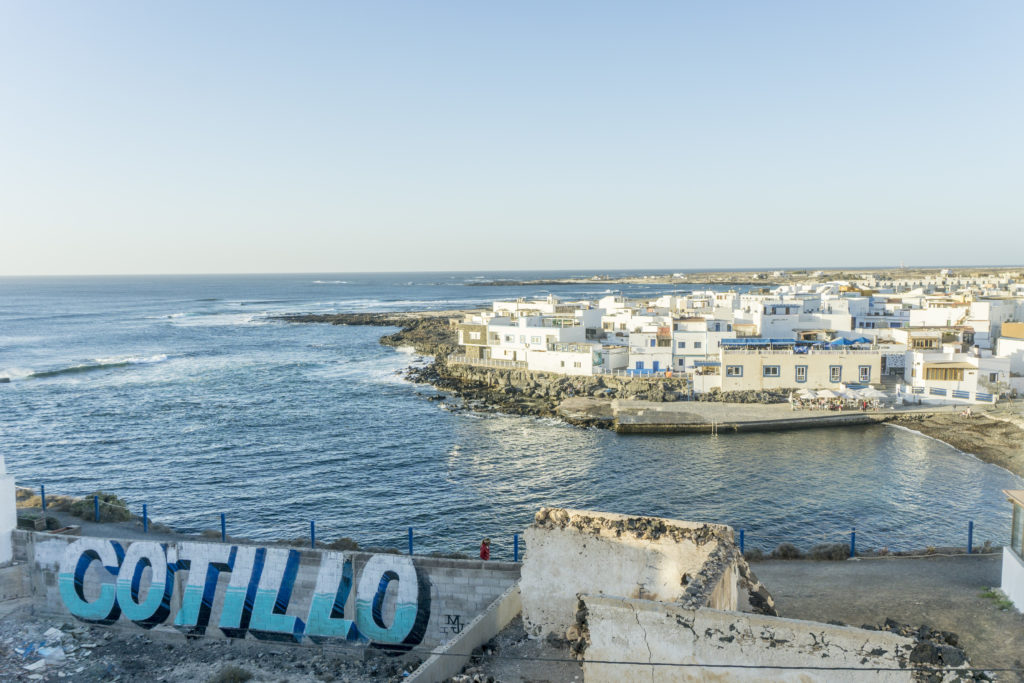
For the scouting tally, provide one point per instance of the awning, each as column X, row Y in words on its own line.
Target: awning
column 951, row 364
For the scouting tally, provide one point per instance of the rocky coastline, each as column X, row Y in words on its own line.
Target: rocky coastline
column 994, row 435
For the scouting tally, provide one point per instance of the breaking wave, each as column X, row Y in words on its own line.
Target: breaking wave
column 98, row 364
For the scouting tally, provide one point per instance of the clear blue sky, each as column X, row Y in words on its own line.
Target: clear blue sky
column 166, row 137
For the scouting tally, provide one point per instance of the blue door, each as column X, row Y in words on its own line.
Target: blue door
column 655, row 366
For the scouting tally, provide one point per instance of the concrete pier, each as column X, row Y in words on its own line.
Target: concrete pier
column 650, row 417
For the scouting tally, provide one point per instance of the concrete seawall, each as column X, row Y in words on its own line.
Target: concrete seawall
column 697, row 417
column 634, row 426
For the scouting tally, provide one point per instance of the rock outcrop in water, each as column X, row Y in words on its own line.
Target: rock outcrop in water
column 428, row 332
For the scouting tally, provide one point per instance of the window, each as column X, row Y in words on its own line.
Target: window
column 864, row 374
column 770, row 371
column 563, row 363
column 578, row 364
column 681, row 345
column 801, row 373
column 639, row 365
column 696, row 345
column 509, row 338
column 733, row 370
column 474, row 335
column 729, row 327
column 522, row 339
column 835, row 373
column 653, row 342
column 665, row 341
column 944, row 374
column 535, row 340
column 993, row 377
column 1017, row 531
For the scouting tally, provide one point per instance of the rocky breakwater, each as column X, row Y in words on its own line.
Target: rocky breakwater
column 428, row 332
column 524, row 392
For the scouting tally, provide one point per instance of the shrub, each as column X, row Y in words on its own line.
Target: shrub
column 787, row 551
column 343, row 543
column 231, row 674
column 753, row 555
column 830, row 551
column 112, row 508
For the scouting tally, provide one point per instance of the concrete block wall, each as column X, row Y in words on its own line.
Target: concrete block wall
column 273, row 593
column 576, row 551
column 628, row 630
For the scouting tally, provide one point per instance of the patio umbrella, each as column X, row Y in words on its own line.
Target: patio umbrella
column 827, row 393
column 871, row 392
column 806, row 393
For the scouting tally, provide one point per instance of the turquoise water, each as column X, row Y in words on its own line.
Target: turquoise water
column 180, row 393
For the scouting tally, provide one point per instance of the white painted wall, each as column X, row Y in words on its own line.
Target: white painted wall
column 8, row 513
column 1013, row 578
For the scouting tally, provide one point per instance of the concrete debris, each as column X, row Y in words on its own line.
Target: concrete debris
column 33, row 647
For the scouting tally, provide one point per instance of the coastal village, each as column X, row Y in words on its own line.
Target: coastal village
column 941, row 338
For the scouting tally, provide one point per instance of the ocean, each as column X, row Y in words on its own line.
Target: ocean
column 181, row 393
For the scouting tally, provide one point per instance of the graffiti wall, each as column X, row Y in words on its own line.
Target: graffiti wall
column 390, row 602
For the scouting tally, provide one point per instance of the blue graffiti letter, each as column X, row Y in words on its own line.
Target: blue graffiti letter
column 412, row 603
column 241, row 591
column 156, row 606
column 270, row 620
column 204, row 562
column 78, row 556
column 327, row 609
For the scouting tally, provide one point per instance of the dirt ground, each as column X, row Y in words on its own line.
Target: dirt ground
column 944, row 593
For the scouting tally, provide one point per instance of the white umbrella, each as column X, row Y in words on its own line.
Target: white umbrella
column 827, row 393
column 806, row 393
column 871, row 392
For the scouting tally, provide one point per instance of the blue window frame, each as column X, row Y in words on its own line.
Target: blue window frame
column 681, row 345
column 733, row 370
column 653, row 342
column 864, row 374
column 639, row 365
column 835, row 373
column 771, row 371
column 801, row 373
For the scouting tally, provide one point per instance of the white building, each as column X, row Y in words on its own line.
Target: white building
column 949, row 376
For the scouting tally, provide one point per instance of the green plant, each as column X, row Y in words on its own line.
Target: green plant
column 112, row 508
column 231, row 674
column 998, row 597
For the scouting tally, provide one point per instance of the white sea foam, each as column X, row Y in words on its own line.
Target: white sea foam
column 331, row 282
column 133, row 360
column 14, row 374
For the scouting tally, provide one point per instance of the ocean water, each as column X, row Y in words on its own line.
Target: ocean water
column 179, row 392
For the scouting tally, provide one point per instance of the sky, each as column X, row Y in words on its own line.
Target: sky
column 248, row 136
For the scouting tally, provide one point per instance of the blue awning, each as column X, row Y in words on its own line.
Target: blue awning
column 706, row 363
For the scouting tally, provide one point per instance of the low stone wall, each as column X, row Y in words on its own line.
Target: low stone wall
column 631, row 630
column 391, row 602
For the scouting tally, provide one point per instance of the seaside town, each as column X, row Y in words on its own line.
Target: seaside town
column 937, row 339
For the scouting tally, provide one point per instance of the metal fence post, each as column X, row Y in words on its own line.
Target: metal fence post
column 515, row 547
column 312, row 534
column 223, row 528
column 145, row 519
column 410, row 540
column 741, row 541
column 970, row 537
column 853, row 542
column 96, row 507
column 42, row 496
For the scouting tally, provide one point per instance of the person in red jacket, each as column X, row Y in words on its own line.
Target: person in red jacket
column 485, row 549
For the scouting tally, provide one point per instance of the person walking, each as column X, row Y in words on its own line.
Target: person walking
column 485, row 549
